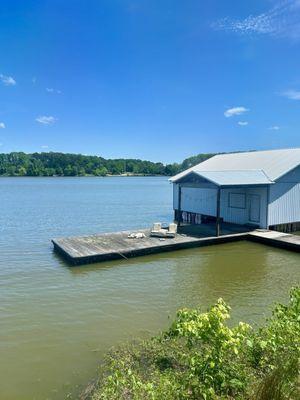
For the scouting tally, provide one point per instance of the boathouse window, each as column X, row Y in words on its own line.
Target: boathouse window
column 237, row 200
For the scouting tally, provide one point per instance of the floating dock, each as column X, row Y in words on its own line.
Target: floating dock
column 117, row 245
column 277, row 239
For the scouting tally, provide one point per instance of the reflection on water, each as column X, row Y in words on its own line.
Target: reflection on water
column 58, row 321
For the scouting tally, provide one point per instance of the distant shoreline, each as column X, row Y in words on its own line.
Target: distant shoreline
column 87, row 176
column 53, row 164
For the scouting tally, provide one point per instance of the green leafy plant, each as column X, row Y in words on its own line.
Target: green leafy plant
column 201, row 357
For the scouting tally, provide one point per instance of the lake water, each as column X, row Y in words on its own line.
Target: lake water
column 56, row 322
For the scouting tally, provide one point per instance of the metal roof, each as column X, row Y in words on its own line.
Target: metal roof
column 227, row 178
column 245, row 166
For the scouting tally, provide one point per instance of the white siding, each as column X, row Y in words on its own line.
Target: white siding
column 284, row 199
column 203, row 201
column 230, row 214
column 197, row 200
column 241, row 215
column 175, row 196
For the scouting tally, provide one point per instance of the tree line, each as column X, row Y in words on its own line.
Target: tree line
column 62, row 164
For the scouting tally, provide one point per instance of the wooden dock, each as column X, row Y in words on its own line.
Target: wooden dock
column 112, row 246
column 277, row 239
column 117, row 245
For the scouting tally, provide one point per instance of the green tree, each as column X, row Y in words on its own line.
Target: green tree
column 101, row 171
column 22, row 171
column 52, row 163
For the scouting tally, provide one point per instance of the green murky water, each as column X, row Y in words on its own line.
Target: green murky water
column 56, row 322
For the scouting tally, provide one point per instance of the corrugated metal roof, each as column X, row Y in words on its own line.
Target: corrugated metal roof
column 274, row 164
column 226, row 178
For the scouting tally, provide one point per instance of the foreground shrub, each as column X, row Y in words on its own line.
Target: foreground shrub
column 200, row 357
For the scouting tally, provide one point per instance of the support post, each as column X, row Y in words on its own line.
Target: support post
column 179, row 205
column 218, row 230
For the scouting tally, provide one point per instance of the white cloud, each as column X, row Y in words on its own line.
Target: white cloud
column 274, row 128
column 251, row 24
column 282, row 20
column 2, row 125
column 235, row 111
column 243, row 123
column 292, row 94
column 7, row 80
column 45, row 146
column 46, row 120
column 51, row 90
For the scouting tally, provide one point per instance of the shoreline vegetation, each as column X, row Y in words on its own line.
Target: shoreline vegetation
column 64, row 164
column 201, row 357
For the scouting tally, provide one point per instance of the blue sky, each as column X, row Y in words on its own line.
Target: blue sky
column 151, row 79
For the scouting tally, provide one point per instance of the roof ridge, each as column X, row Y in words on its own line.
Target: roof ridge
column 255, row 151
column 231, row 170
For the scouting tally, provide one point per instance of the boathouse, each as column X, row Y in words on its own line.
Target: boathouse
column 260, row 189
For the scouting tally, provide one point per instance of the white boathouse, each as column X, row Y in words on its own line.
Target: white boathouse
column 258, row 188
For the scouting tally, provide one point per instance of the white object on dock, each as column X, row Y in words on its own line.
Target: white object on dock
column 172, row 230
column 138, row 235
column 156, row 227
column 158, row 231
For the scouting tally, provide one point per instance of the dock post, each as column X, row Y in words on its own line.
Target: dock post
column 218, row 230
column 179, row 205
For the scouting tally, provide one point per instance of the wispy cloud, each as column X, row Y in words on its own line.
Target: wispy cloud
column 243, row 123
column 51, row 90
column 46, row 120
column 292, row 94
column 45, row 146
column 2, row 125
column 7, row 80
column 274, row 128
column 235, row 111
column 282, row 20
